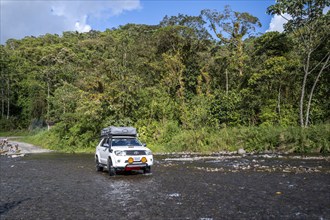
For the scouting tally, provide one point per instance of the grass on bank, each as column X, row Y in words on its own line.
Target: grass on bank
column 314, row 139
column 16, row 133
column 46, row 139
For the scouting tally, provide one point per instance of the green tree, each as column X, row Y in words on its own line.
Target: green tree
column 194, row 23
column 230, row 28
column 271, row 87
column 4, row 68
column 226, row 109
column 309, row 25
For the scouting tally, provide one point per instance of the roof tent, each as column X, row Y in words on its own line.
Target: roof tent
column 118, row 131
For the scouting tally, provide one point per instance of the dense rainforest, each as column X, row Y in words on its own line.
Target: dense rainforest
column 191, row 83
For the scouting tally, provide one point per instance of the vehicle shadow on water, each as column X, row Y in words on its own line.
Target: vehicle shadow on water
column 132, row 173
column 128, row 176
column 4, row 208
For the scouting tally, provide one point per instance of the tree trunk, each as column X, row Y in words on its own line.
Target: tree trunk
column 312, row 91
column 301, row 105
column 303, row 88
column 48, row 95
column 279, row 101
column 8, row 98
column 2, row 97
column 240, row 56
column 227, row 86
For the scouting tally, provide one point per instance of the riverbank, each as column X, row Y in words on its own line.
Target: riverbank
column 22, row 147
column 262, row 139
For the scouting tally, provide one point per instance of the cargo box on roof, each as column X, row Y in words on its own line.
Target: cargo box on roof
column 118, row 131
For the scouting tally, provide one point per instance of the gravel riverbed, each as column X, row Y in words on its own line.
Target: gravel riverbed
column 66, row 186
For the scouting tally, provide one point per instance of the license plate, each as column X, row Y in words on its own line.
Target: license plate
column 137, row 158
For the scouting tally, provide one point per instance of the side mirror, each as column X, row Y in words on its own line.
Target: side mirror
column 144, row 145
column 106, row 145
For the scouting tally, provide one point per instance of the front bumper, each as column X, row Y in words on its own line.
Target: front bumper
column 122, row 162
column 133, row 167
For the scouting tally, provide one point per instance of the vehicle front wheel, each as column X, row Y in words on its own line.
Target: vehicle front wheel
column 98, row 166
column 111, row 169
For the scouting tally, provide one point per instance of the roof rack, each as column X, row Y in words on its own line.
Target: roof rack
column 118, row 131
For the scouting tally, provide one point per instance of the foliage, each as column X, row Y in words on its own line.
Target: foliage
column 309, row 24
column 182, row 89
column 169, row 137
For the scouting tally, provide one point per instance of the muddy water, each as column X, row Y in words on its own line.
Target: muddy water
column 64, row 186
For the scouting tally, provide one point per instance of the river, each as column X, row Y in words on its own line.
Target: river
column 67, row 186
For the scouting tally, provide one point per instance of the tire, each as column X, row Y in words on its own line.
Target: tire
column 98, row 167
column 147, row 169
column 111, row 169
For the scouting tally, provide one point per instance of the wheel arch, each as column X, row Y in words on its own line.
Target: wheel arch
column 97, row 157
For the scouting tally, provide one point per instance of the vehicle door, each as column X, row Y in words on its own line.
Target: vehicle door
column 104, row 150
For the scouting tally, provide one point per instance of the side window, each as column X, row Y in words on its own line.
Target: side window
column 104, row 142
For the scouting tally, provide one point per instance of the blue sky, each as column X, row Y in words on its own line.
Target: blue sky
column 20, row 18
column 152, row 11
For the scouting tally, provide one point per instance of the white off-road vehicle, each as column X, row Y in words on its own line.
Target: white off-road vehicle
column 120, row 150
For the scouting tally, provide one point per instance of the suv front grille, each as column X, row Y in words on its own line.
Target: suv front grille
column 135, row 152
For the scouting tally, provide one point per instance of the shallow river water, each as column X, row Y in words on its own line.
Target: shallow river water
column 66, row 186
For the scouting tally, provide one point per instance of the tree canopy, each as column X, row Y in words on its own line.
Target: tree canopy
column 172, row 75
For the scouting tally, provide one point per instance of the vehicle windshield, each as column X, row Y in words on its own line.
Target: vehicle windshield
column 125, row 142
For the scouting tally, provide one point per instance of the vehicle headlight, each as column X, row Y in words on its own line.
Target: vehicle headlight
column 130, row 160
column 148, row 152
column 120, row 153
column 144, row 160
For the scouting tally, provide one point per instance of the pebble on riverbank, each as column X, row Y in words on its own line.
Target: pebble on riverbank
column 10, row 149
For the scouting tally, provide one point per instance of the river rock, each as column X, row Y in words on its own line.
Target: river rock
column 241, row 151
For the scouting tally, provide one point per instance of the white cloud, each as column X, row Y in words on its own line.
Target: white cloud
column 277, row 22
column 34, row 18
column 81, row 26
